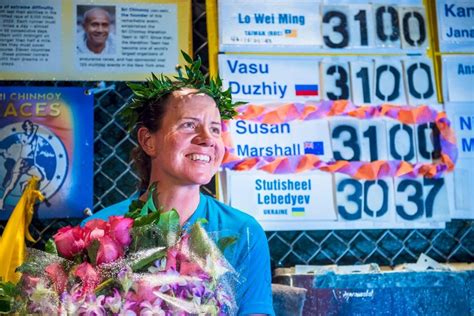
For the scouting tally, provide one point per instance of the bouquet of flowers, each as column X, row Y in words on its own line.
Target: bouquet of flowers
column 142, row 263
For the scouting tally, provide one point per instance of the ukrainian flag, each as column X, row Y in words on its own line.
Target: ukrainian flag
column 297, row 211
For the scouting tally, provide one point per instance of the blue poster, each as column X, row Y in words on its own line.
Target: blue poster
column 47, row 133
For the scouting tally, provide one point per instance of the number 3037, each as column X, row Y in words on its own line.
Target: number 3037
column 406, row 199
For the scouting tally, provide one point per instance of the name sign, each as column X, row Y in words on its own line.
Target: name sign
column 242, row 23
column 294, row 197
column 270, row 78
column 396, row 80
column 458, row 72
column 254, row 139
column 462, row 117
column 309, row 25
column 464, row 125
column 455, row 25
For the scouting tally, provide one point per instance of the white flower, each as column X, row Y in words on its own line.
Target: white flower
column 114, row 303
column 43, row 299
column 154, row 309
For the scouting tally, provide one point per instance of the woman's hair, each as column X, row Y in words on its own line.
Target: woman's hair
column 151, row 118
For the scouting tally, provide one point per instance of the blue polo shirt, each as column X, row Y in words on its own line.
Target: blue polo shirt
column 250, row 256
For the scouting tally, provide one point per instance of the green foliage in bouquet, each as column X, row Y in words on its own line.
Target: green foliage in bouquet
column 50, row 247
column 8, row 293
column 146, row 94
column 152, row 227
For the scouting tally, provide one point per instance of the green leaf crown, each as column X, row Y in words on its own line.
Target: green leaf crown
column 155, row 88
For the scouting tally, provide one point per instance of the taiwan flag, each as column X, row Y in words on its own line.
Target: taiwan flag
column 291, row 33
column 306, row 89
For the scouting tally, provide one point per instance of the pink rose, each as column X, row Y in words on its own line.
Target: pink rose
column 95, row 229
column 88, row 276
column 120, row 229
column 56, row 274
column 109, row 250
column 69, row 241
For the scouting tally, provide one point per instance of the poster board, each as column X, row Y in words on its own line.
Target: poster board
column 103, row 40
column 47, row 132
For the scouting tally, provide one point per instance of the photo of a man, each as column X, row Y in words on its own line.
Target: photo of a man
column 96, row 28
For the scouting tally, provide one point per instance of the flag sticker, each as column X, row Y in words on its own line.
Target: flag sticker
column 297, row 211
column 315, row 148
column 306, row 89
column 291, row 33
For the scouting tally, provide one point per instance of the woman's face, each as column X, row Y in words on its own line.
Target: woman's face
column 189, row 147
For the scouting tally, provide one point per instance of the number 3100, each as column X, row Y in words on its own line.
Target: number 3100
column 379, row 81
column 352, row 26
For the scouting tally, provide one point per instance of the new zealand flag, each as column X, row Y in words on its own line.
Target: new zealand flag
column 315, row 148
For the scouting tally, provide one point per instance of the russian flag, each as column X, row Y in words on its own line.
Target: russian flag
column 306, row 89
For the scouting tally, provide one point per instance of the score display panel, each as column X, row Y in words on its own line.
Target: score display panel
column 379, row 171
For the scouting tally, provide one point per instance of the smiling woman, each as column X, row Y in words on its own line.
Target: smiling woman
column 178, row 128
column 184, row 148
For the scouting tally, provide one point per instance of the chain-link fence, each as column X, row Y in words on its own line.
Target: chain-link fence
column 114, row 180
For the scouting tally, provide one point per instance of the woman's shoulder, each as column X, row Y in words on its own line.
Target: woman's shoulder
column 230, row 216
